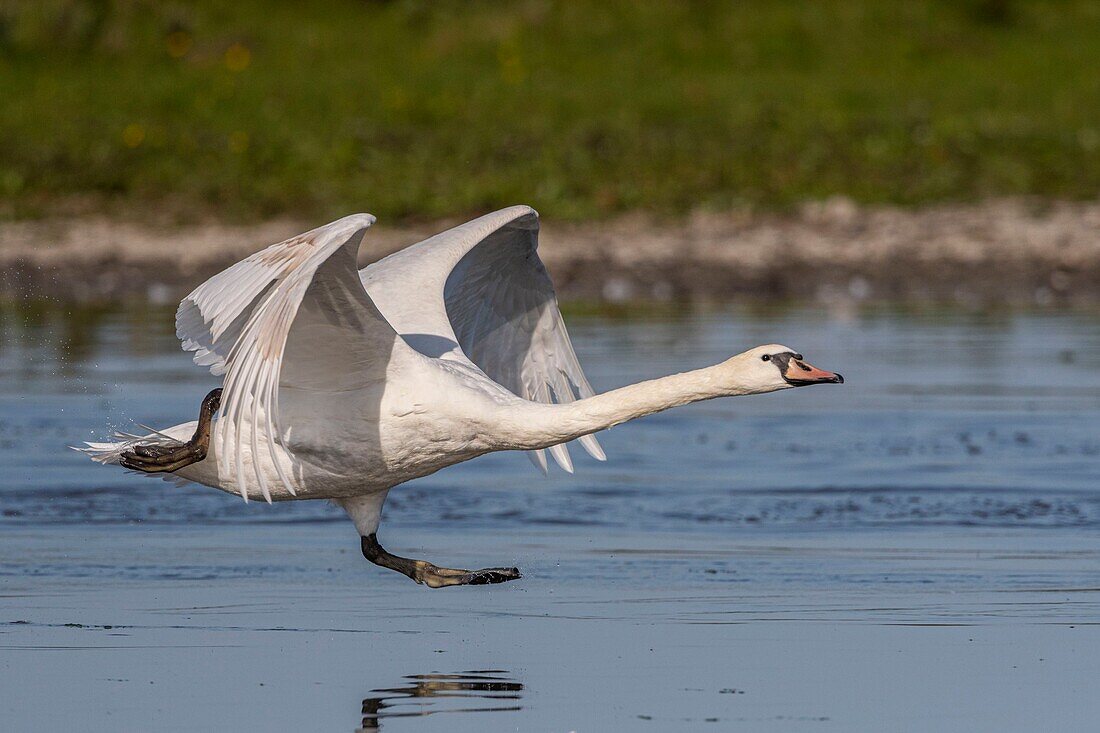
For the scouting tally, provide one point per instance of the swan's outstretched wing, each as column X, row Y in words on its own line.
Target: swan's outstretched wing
column 240, row 321
column 479, row 293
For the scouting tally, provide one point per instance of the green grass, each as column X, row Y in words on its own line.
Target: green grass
column 583, row 108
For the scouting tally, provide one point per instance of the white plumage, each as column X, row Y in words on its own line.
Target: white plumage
column 341, row 384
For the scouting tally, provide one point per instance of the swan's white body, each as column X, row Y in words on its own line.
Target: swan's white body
column 340, row 384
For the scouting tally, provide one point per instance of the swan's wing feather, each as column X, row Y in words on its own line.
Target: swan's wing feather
column 495, row 307
column 240, row 321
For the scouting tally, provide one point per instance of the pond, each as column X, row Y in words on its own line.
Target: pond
column 911, row 548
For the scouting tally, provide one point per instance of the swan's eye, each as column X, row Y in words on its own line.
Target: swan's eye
column 766, row 357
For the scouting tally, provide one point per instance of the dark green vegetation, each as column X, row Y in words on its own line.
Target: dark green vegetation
column 582, row 108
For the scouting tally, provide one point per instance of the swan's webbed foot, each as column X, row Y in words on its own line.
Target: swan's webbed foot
column 434, row 577
column 171, row 456
column 161, row 458
column 485, row 576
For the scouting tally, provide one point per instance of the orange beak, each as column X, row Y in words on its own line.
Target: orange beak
column 800, row 373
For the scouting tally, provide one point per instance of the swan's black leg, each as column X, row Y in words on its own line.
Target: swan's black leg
column 167, row 457
column 430, row 575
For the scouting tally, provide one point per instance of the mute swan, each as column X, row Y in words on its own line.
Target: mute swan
column 341, row 384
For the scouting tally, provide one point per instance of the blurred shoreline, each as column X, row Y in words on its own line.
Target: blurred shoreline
column 1009, row 251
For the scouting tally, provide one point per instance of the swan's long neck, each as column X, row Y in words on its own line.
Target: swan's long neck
column 551, row 424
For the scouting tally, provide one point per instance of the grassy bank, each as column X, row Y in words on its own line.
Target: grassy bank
column 583, row 108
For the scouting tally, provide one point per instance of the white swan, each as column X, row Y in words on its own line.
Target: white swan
column 341, row 384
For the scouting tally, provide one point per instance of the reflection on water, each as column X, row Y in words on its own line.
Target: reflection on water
column 435, row 693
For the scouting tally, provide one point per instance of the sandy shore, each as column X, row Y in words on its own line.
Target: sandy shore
column 1000, row 251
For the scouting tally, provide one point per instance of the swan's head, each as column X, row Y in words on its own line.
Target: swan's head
column 774, row 367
